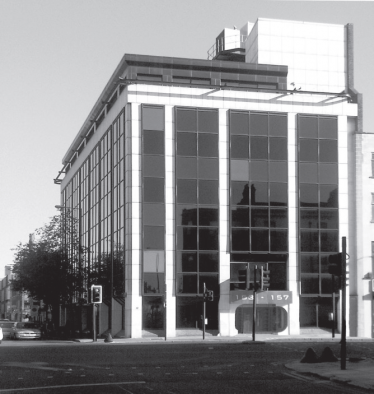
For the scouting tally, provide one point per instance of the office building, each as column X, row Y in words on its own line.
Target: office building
column 189, row 172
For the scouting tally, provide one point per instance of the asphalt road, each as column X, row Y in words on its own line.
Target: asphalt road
column 170, row 368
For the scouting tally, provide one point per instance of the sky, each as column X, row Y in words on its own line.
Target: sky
column 57, row 56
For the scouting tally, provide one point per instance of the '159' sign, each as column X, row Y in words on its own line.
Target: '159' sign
column 262, row 297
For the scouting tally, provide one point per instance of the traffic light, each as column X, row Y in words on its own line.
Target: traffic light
column 96, row 294
column 265, row 278
column 335, row 266
column 210, row 295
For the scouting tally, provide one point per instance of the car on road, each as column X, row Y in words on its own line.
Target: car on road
column 6, row 326
column 26, row 330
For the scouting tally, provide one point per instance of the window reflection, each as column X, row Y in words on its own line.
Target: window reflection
column 240, row 217
column 258, row 124
column 208, row 216
column 239, row 193
column 186, row 120
column 186, row 215
column 186, row 144
column 208, row 121
column 259, row 193
column 239, row 123
column 152, row 118
column 208, row 145
column 309, row 263
column 153, row 142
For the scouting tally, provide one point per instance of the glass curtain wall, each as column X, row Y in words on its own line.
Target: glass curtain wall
column 197, row 215
column 258, row 196
column 153, row 227
column 318, row 215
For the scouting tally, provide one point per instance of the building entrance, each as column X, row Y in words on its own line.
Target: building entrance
column 317, row 312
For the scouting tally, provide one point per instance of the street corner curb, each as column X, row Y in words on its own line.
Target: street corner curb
column 82, row 340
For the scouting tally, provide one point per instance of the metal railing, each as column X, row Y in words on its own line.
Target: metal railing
column 225, row 43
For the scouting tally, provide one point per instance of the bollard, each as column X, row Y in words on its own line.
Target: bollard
column 327, row 356
column 108, row 338
column 310, row 357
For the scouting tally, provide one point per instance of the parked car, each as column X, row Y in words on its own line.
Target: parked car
column 7, row 327
column 26, row 330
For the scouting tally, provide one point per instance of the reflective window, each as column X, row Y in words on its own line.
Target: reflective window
column 239, row 193
column 154, row 214
column 329, row 241
column 278, row 148
column 154, row 237
column 154, row 166
column 260, row 240
column 328, row 128
column 153, row 312
column 187, row 167
column 259, row 148
column 259, row 217
column 187, row 238
column 240, row 239
column 186, row 215
column 259, row 193
column 187, row 191
column 186, row 262
column 309, row 218
column 239, row 123
column 208, row 145
column 153, row 189
column 278, row 194
column 186, row 120
column 278, row 240
column 328, row 173
column 278, row 218
column 153, row 142
column 309, row 241
column 208, row 121
column 328, row 151
column 187, row 283
column 258, row 124
column 308, row 127
column 329, row 196
column 309, row 263
column 208, row 168
column 208, row 262
column 308, row 173
column 259, row 170
column 308, row 150
column 329, row 218
column 278, row 171
column 239, row 147
column 310, row 285
column 239, row 170
column 208, row 192
column 278, row 125
column 308, row 195
column 240, row 217
column 187, row 144
column 208, row 238
column 153, row 118
column 208, row 216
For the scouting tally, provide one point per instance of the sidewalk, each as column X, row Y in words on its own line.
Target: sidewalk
column 358, row 374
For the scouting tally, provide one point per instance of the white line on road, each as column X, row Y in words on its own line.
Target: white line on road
column 68, row 385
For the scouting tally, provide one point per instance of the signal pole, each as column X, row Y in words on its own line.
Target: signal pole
column 254, row 307
column 343, row 343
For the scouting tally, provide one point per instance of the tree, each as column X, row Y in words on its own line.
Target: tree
column 51, row 268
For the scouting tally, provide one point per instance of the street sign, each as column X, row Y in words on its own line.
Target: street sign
column 263, row 297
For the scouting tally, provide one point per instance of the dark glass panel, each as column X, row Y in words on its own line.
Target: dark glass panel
column 208, row 192
column 154, row 237
column 239, row 257
column 259, row 148
column 329, row 196
column 188, row 312
column 208, row 238
column 309, row 218
column 328, row 128
column 308, row 127
column 186, row 215
column 187, row 191
column 153, row 312
column 211, row 283
column 186, row 238
column 260, row 240
column 207, row 121
column 259, row 193
column 186, row 168
column 329, row 218
column 240, row 239
column 279, row 240
column 187, row 283
column 308, row 173
column 329, row 241
column 328, row 151
column 239, row 123
column 154, row 282
column 238, row 272
column 153, row 142
column 259, row 217
column 309, row 285
column 153, row 118
column 209, row 262
column 258, row 124
column 278, row 194
column 154, row 214
column 309, row 241
column 278, row 125
column 239, row 170
column 154, row 166
column 309, row 263
column 153, row 189
column 308, row 150
column 186, row 120
column 208, row 145
column 328, row 173
column 278, row 148
column 278, row 171
column 259, row 170
column 208, row 216
column 240, row 217
column 325, row 262
column 326, row 284
column 187, row 144
column 186, row 262
column 308, row 195
column 239, row 147
column 239, row 193
column 278, row 218
column 208, row 168
column 278, row 276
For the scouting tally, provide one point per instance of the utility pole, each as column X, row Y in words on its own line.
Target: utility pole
column 343, row 343
column 254, row 306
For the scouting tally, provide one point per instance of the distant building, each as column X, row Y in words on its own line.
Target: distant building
column 204, row 169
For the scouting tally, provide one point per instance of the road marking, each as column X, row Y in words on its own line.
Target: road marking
column 33, row 366
column 69, row 385
column 127, row 391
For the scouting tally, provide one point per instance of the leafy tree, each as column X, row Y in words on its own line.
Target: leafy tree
column 51, row 268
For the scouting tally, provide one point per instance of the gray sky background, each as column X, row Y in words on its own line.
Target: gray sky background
column 57, row 56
